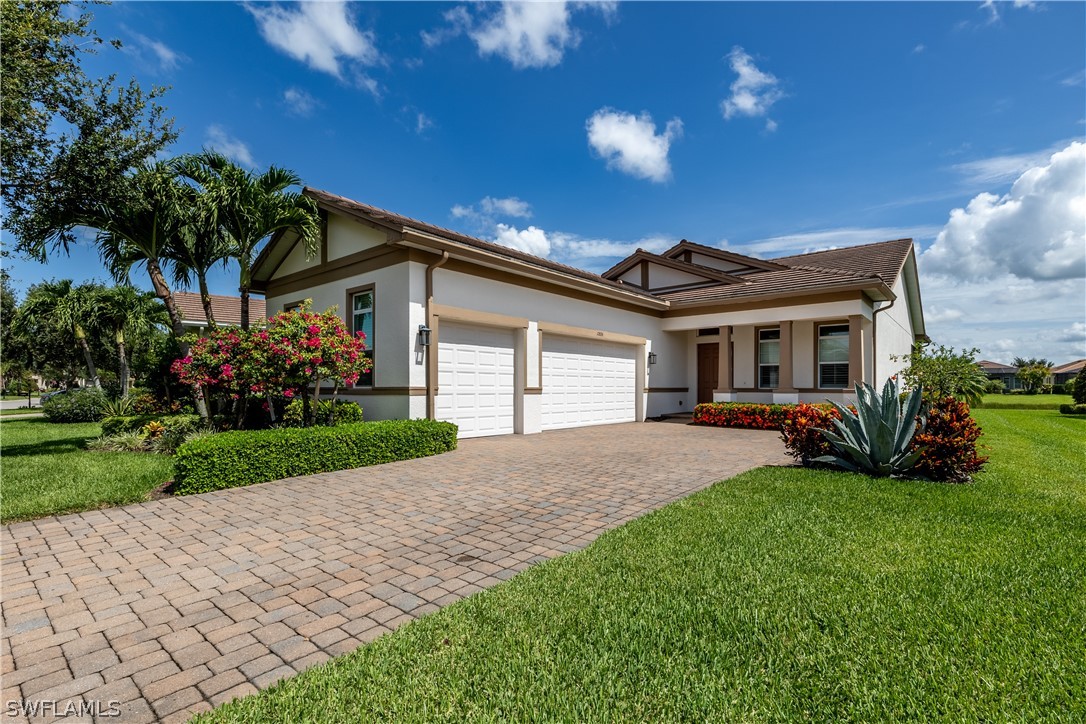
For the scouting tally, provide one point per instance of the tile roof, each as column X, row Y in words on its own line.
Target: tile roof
column 787, row 281
column 227, row 310
column 883, row 258
column 344, row 204
column 996, row 368
column 1075, row 366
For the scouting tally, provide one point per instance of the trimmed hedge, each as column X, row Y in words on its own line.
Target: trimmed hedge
column 751, row 415
column 235, row 459
column 1073, row 409
column 134, row 423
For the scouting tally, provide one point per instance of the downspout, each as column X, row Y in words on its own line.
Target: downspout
column 875, row 337
column 431, row 373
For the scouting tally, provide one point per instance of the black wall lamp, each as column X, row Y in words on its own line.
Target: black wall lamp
column 652, row 358
column 424, row 335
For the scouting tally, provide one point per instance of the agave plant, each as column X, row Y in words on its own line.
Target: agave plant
column 875, row 439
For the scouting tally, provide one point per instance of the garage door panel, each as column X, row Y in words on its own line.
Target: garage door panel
column 475, row 379
column 587, row 383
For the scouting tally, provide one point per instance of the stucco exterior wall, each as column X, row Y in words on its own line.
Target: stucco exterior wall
column 348, row 237
column 893, row 335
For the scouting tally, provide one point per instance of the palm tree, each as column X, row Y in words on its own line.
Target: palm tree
column 127, row 310
column 72, row 307
column 202, row 243
column 251, row 207
column 137, row 228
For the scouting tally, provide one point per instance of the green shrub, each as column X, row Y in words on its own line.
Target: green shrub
column 329, row 412
column 1073, row 409
column 994, row 387
column 135, row 423
column 131, row 441
column 118, row 407
column 75, row 406
column 1078, row 389
column 234, row 459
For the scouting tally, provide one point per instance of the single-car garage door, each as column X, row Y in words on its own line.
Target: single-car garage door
column 587, row 382
column 475, row 379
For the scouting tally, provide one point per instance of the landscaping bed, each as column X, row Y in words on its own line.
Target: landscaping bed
column 783, row 594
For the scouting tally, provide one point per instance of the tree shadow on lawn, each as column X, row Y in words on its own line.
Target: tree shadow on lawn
column 76, row 443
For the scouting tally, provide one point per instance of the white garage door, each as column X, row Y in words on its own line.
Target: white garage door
column 475, row 379
column 587, row 382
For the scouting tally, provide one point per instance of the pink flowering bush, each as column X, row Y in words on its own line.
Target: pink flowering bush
column 289, row 359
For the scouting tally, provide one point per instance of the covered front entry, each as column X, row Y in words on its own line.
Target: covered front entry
column 475, row 372
column 586, row 382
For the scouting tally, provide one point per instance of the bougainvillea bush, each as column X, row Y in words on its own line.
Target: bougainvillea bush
column 949, row 442
column 298, row 353
column 748, row 415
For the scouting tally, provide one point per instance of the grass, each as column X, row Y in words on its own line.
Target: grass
column 18, row 397
column 47, row 471
column 8, row 413
column 1026, row 402
column 783, row 594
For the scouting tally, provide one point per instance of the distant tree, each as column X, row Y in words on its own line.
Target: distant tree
column 251, row 207
column 128, row 313
column 941, row 372
column 66, row 140
column 1032, row 372
column 1078, row 390
column 67, row 306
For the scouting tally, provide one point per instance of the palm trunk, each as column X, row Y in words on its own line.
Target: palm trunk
column 92, row 371
column 162, row 291
column 205, row 298
column 243, row 287
column 122, row 362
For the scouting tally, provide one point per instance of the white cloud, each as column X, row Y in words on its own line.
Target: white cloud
column 630, row 143
column 322, row 35
column 999, row 169
column 919, row 48
column 531, row 240
column 584, row 252
column 1036, row 231
column 822, row 239
column 527, row 34
column 219, row 140
column 753, row 92
column 423, row 123
column 770, row 125
column 153, row 52
column 299, row 102
column 1075, row 79
column 485, row 214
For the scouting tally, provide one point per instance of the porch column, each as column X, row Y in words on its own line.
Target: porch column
column 724, row 360
column 855, row 349
column 785, row 365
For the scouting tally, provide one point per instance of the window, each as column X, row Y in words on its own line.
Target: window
column 833, row 356
column 769, row 358
column 708, row 331
column 362, row 321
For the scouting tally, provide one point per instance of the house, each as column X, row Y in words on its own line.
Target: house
column 1067, row 372
column 500, row 341
column 1006, row 374
column 227, row 310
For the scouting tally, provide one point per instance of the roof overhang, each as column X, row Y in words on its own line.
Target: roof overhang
column 640, row 256
column 878, row 292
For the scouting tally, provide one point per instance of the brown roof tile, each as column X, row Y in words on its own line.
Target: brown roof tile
column 787, row 281
column 883, row 258
column 227, row 310
column 1075, row 366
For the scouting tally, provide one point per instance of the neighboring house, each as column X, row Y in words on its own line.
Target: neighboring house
column 1067, row 372
column 1006, row 374
column 227, row 311
column 500, row 341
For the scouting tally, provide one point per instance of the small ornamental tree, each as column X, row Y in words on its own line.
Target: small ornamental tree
column 941, row 372
column 1078, row 388
column 297, row 351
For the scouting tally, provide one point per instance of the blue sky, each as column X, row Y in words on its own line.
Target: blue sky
column 581, row 132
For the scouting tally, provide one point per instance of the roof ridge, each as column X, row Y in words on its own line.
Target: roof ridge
column 844, row 248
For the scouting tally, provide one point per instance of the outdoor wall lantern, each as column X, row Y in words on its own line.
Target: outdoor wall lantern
column 652, row 358
column 424, row 335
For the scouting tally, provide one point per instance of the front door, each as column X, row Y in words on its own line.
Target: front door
column 708, row 367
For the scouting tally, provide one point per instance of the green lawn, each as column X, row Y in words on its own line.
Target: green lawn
column 1026, row 402
column 46, row 471
column 9, row 413
column 782, row 594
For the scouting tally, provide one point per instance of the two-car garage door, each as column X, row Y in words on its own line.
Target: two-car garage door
column 585, row 382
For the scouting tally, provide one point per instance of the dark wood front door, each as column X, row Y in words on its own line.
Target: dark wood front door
column 708, row 368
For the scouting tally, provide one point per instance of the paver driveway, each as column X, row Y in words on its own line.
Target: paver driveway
column 175, row 605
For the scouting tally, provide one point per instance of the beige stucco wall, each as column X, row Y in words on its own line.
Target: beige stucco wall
column 348, row 237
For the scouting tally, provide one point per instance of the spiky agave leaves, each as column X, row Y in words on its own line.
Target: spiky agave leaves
column 876, row 438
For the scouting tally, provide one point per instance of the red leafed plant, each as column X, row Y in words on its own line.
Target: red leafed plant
column 750, row 415
column 802, row 431
column 950, row 443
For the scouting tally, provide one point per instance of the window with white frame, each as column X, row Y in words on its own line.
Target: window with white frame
column 362, row 321
column 769, row 358
column 833, row 356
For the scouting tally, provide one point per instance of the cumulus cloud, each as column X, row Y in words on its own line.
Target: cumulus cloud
column 484, row 215
column 299, row 102
column 631, row 144
column 219, row 140
column 527, row 34
column 753, row 92
column 585, row 252
column 323, row 35
column 1037, row 230
column 532, row 240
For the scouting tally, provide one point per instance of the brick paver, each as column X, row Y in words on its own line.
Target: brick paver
column 173, row 606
